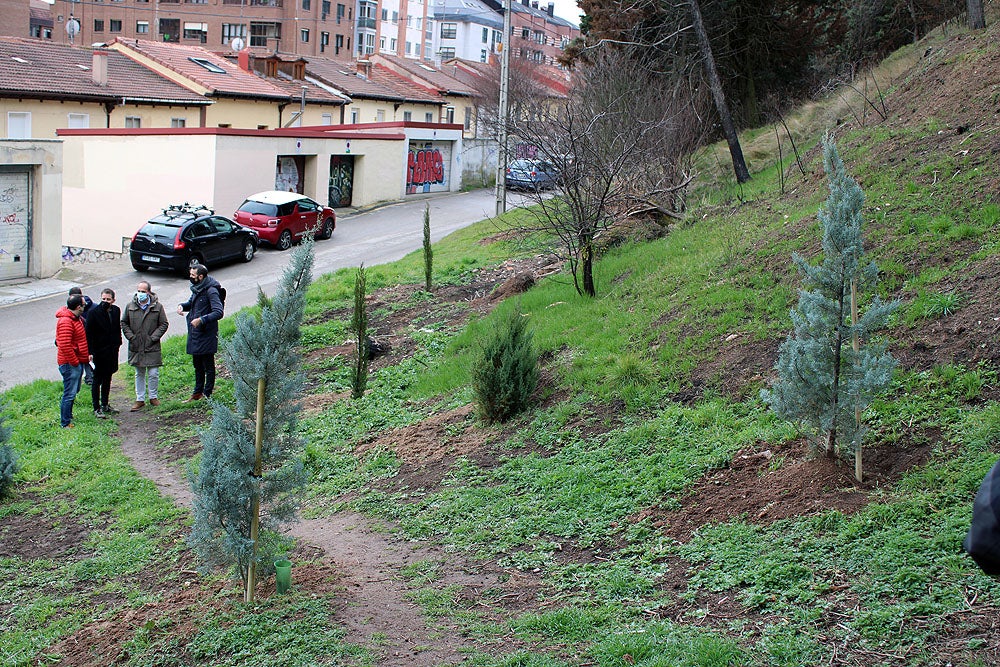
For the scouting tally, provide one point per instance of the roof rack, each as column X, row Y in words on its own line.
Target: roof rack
column 176, row 210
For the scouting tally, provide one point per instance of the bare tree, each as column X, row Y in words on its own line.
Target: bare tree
column 617, row 143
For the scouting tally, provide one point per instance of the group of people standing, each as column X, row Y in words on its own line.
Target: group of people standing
column 89, row 333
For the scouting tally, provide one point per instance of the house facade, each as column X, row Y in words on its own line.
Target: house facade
column 219, row 167
column 30, row 208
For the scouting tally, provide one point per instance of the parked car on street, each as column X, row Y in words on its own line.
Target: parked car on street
column 185, row 235
column 531, row 175
column 283, row 218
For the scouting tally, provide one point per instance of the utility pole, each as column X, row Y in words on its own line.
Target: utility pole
column 502, row 112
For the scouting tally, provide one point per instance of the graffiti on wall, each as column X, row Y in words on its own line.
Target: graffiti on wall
column 427, row 167
column 341, row 180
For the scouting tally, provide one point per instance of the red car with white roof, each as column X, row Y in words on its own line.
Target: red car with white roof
column 283, row 218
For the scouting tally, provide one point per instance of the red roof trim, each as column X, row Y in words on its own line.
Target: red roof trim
column 343, row 132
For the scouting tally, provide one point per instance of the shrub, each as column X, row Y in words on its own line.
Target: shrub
column 505, row 372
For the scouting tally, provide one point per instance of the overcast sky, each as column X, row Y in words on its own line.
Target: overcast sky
column 565, row 9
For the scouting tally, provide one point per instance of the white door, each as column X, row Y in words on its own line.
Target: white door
column 15, row 224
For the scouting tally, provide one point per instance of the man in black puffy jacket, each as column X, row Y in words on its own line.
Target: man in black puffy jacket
column 983, row 540
column 204, row 310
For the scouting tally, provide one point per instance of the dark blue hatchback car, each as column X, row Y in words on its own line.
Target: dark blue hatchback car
column 184, row 235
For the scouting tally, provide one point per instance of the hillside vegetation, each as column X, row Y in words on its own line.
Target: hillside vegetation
column 648, row 509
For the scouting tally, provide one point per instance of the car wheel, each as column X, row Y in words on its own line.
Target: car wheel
column 141, row 268
column 327, row 230
column 248, row 251
column 285, row 240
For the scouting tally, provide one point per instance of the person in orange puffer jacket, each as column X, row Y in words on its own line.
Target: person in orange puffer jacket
column 71, row 355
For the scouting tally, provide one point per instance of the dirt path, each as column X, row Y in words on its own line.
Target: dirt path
column 368, row 560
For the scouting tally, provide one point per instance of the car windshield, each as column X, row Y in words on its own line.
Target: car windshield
column 258, row 208
column 155, row 228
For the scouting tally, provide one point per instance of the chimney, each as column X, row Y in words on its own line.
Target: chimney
column 243, row 59
column 534, row 4
column 365, row 69
column 99, row 67
column 552, row 9
column 526, row 3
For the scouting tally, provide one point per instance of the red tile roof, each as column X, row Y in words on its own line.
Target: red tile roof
column 382, row 84
column 45, row 70
column 230, row 82
column 425, row 74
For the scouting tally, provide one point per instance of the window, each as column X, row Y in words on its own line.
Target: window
column 142, row 27
column 18, row 124
column 340, row 13
column 395, row 17
column 170, row 30
column 467, row 123
column 539, row 36
column 98, row 25
column 380, row 115
column 324, row 41
column 78, row 120
column 307, row 5
column 115, row 25
column 393, row 43
column 385, row 14
column 369, row 44
column 133, row 121
column 178, row 122
column 449, row 30
column 355, row 115
column 196, row 31
column 482, row 56
column 407, row 115
column 338, row 44
column 429, row 117
column 327, row 119
column 325, row 10
column 449, row 115
column 486, row 35
column 231, row 31
column 447, row 52
column 260, row 32
column 207, row 64
column 409, row 47
column 525, row 33
column 304, row 35
column 196, row 2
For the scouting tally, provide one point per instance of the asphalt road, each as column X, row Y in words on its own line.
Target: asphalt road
column 385, row 234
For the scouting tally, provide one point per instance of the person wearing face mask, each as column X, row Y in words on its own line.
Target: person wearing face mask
column 144, row 323
column 204, row 310
column 71, row 354
column 104, row 338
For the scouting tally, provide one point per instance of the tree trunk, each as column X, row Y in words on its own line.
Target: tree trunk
column 977, row 17
column 588, row 268
column 728, row 128
column 838, row 344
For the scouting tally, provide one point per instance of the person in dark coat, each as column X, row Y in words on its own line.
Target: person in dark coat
column 983, row 539
column 204, row 310
column 104, row 339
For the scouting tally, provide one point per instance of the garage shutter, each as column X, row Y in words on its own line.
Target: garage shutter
column 15, row 224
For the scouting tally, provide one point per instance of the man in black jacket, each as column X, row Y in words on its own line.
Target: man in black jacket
column 204, row 310
column 104, row 339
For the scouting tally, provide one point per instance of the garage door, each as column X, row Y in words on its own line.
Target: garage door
column 428, row 167
column 15, row 224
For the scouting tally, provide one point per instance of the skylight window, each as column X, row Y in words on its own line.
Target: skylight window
column 207, row 64
column 429, row 69
column 20, row 60
column 83, row 67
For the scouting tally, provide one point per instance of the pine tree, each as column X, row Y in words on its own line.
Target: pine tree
column 246, row 483
column 505, row 373
column 830, row 369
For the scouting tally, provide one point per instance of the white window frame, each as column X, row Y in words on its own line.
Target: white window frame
column 78, row 121
column 133, row 122
column 21, row 121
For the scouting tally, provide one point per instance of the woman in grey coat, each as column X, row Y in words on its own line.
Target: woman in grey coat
column 143, row 323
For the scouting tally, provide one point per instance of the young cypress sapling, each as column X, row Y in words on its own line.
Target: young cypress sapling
column 246, row 484
column 830, row 369
column 428, row 252
column 8, row 457
column 505, row 372
column 359, row 325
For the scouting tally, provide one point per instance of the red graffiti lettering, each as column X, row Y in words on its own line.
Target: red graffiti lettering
column 424, row 166
column 11, row 219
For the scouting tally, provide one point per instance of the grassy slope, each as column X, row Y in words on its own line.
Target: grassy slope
column 886, row 585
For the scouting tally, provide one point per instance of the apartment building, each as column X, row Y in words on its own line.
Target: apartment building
column 303, row 27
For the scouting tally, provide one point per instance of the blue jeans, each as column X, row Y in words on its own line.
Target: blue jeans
column 71, row 385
